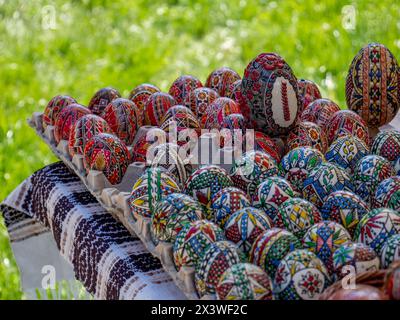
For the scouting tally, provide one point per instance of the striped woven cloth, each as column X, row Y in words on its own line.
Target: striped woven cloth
column 105, row 258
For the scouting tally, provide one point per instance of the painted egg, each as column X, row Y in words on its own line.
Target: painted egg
column 66, row 120
column 245, row 225
column 368, row 173
column 346, row 208
column 373, row 85
column 83, row 130
column 264, row 143
column 251, row 169
column 217, row 258
column 308, row 92
column 179, row 117
column 390, row 251
column 392, row 282
column 319, row 112
column 172, row 213
column 226, row 202
column 199, row 99
column 356, row 257
column 387, row 194
column 270, row 247
column 233, row 130
column 301, row 275
column 156, row 106
column 192, row 241
column 307, row 134
column 145, row 142
column 54, row 107
column 105, row 152
column 346, row 121
column 152, row 186
column 346, row 151
column 139, row 96
column 323, row 180
column 323, row 239
column 182, row 87
column 297, row 164
column 236, row 90
column 270, row 194
column 101, row 100
column 377, row 226
column 221, row 79
column 121, row 116
column 244, row 281
column 171, row 157
column 205, row 182
column 297, row 215
column 270, row 100
column 217, row 111
column 387, row 144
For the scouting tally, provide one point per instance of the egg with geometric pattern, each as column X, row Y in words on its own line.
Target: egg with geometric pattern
column 387, row 144
column 139, row 96
column 199, row 99
column 387, row 194
column 244, row 281
column 183, row 86
column 101, row 99
column 390, row 251
column 221, row 79
column 308, row 92
column 319, row 111
column 307, row 134
column 156, row 106
column 54, row 107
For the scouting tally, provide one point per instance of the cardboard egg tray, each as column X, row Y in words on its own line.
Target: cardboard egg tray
column 115, row 198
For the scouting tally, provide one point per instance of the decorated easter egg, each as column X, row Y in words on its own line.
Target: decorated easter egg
column 83, row 130
column 107, row 153
column 323, row 239
column 323, row 180
column 270, row 247
column 145, row 142
column 368, row 173
column 244, row 281
column 139, row 96
column 66, row 120
column 346, row 121
column 101, row 99
column 307, row 134
column 182, row 87
column 179, row 117
column 270, row 194
column 245, row 225
column 264, row 143
column 387, row 194
column 226, row 202
column 297, row 164
column 54, row 107
column 301, row 275
column 204, row 183
column 192, row 241
column 152, row 186
column 297, row 215
column 319, row 112
column 217, row 111
column 390, row 251
column 270, row 99
column 356, row 255
column 121, row 116
column 346, row 151
column 308, row 92
column 217, row 258
column 221, row 79
column 392, row 281
column 233, row 130
column 156, row 106
column 172, row 213
column 387, row 144
column 199, row 99
column 251, row 169
column 344, row 207
column 170, row 157
column 373, row 85
column 236, row 90
column 377, row 226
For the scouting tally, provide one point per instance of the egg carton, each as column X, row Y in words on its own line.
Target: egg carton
column 115, row 198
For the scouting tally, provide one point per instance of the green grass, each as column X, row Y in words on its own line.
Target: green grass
column 99, row 43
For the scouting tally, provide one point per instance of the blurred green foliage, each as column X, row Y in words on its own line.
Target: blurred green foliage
column 97, row 43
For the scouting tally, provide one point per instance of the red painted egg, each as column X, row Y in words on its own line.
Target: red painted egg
column 182, row 87
column 156, row 107
column 101, row 99
column 221, row 79
column 54, row 107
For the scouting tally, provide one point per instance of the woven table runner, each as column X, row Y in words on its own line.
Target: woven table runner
column 105, row 258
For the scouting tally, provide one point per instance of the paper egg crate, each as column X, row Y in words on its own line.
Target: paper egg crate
column 115, row 198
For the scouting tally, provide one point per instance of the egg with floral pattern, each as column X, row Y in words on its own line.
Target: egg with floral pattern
column 308, row 92
column 199, row 99
column 183, row 86
column 319, row 111
column 307, row 134
column 221, row 79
